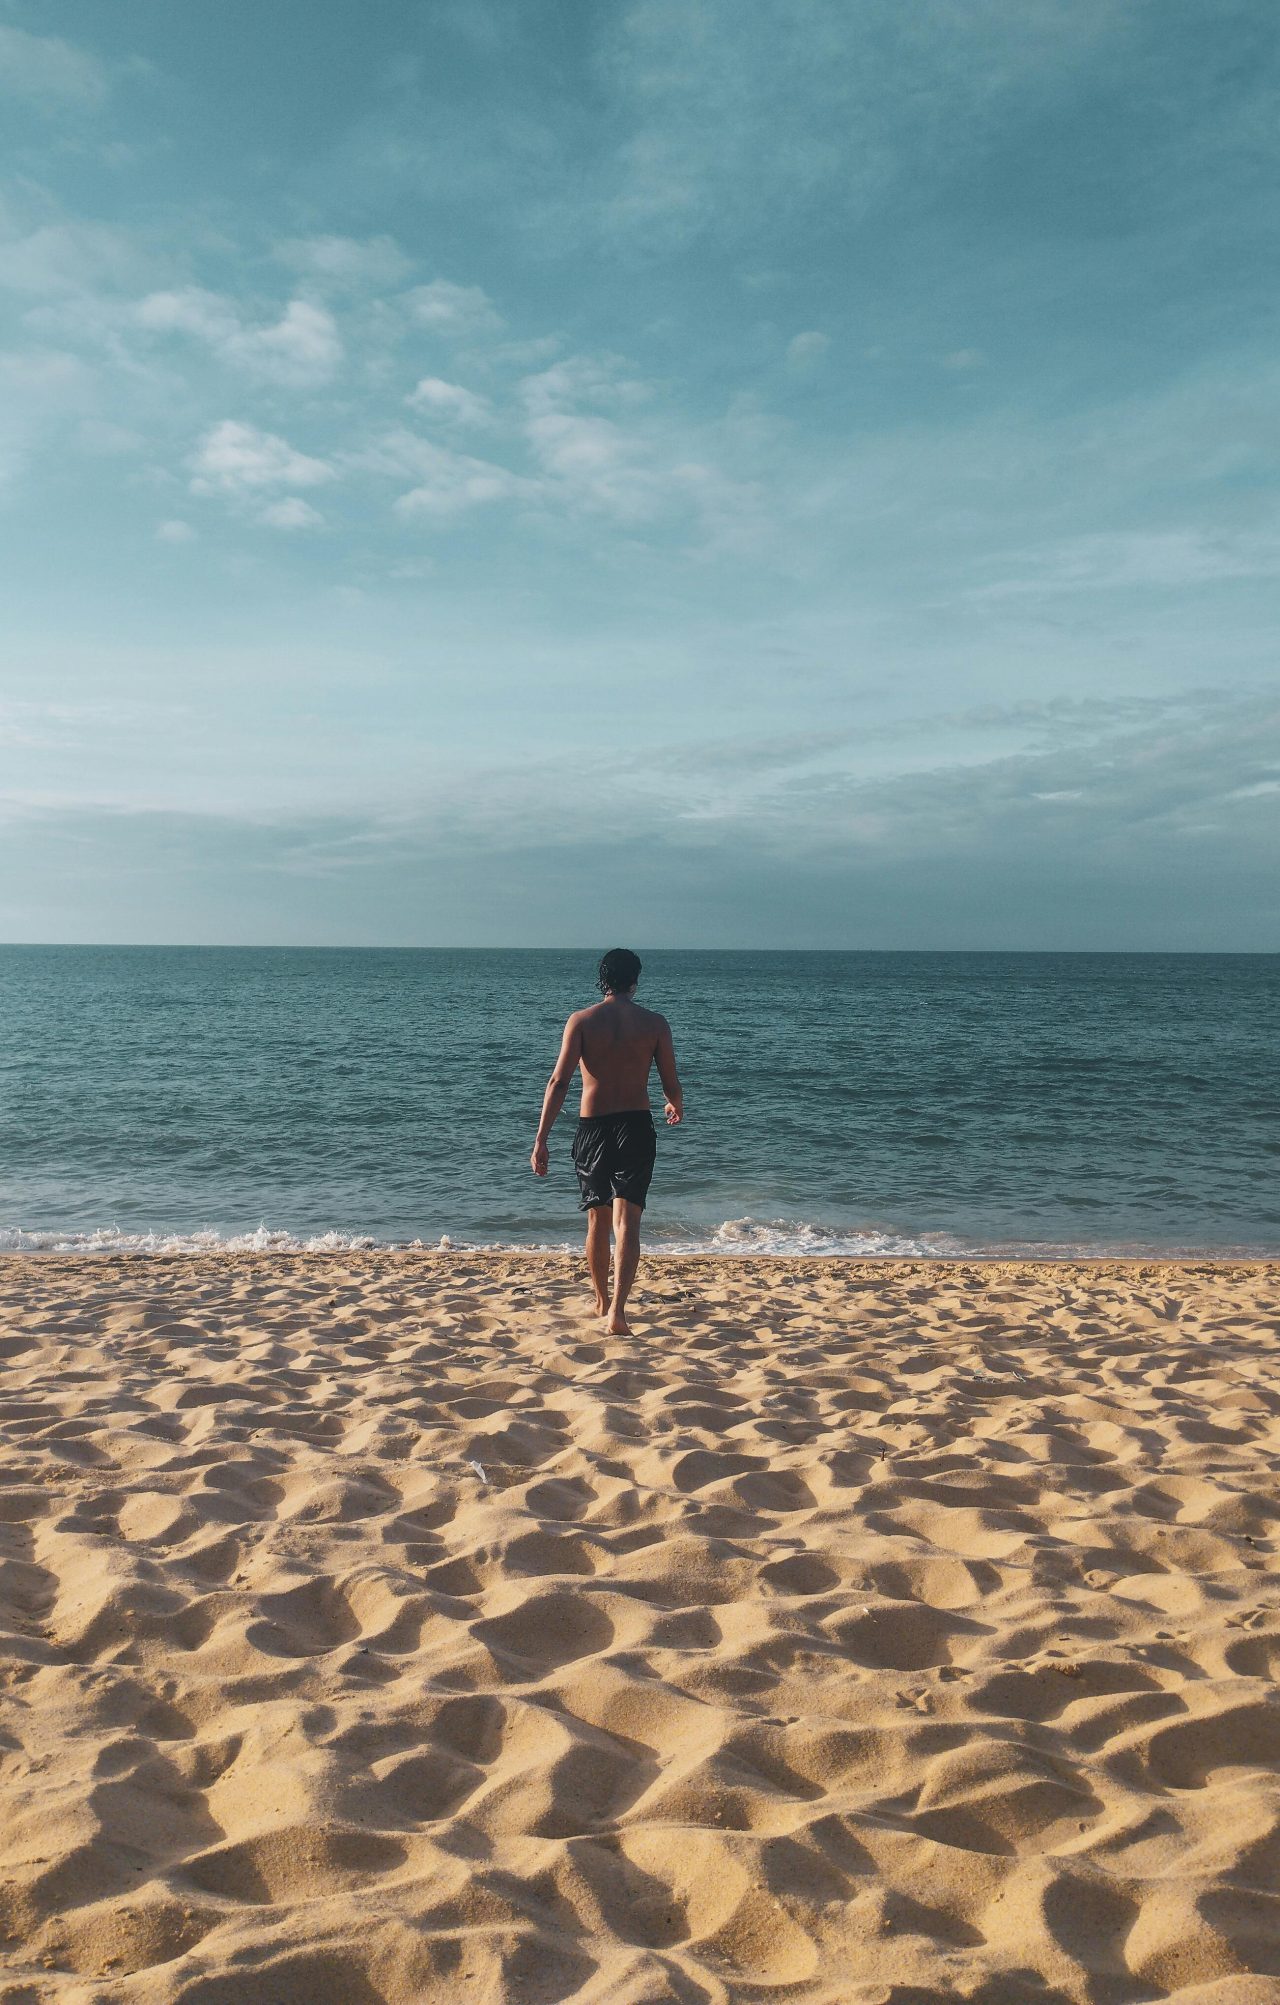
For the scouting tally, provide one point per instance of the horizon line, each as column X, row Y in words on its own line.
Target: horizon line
column 367, row 947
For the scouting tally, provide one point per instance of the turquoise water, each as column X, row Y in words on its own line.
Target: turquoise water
column 850, row 1103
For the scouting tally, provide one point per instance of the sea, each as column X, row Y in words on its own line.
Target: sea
column 865, row 1104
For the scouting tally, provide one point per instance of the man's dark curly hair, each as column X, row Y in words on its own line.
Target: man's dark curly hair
column 619, row 971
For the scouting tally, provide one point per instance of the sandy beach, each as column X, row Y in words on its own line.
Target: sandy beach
column 375, row 1630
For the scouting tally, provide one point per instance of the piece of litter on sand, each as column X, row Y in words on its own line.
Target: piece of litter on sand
column 479, row 1471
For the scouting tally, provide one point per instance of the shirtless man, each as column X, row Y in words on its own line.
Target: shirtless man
column 615, row 1042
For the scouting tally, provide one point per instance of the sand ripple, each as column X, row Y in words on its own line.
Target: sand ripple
column 374, row 1630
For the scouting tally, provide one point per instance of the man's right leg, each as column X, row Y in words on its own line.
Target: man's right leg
column 626, row 1226
column 598, row 1255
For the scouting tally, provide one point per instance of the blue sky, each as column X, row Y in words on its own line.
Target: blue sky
column 797, row 474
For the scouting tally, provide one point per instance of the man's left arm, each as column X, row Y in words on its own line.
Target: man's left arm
column 665, row 1053
column 557, row 1087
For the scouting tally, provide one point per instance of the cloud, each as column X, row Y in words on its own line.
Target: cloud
column 452, row 309
column 1193, row 766
column 961, row 360
column 50, row 71
column 236, row 459
column 1166, row 836
column 525, row 354
column 452, row 482
column 65, row 256
column 300, row 350
column 107, row 440
column 594, row 461
column 804, row 350
column 352, row 264
column 43, row 375
column 732, row 133
column 590, row 380
column 292, row 513
column 445, row 482
column 580, row 446
column 436, row 398
column 205, row 315
column 1108, row 802
column 175, row 531
column 1142, row 559
column 42, row 394
column 606, row 446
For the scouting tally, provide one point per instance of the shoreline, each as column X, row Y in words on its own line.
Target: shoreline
column 425, row 1257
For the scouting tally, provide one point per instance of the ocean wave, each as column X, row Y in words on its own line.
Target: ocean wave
column 798, row 1238
column 108, row 1239
column 777, row 1238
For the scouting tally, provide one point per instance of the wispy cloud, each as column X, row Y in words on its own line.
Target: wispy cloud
column 606, row 445
column 50, row 71
column 451, row 309
column 716, row 124
column 1148, row 559
column 300, row 350
column 449, row 483
column 805, row 350
column 449, row 402
column 351, row 264
column 59, row 255
column 1127, row 844
column 234, row 458
column 291, row 513
column 578, row 382
column 594, row 462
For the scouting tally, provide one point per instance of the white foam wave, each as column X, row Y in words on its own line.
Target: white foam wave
column 741, row 1237
column 798, row 1238
column 109, row 1239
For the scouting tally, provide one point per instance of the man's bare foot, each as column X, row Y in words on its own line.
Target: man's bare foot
column 618, row 1326
column 602, row 1305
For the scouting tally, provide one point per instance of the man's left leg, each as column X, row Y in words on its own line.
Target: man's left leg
column 598, row 1255
column 626, row 1228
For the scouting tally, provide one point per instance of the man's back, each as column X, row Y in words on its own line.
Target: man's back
column 619, row 1042
column 614, row 1043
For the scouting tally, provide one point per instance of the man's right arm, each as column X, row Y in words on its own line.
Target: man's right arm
column 557, row 1087
column 665, row 1053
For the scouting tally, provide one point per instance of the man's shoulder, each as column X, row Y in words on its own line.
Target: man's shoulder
column 635, row 1013
column 604, row 1009
column 590, row 1013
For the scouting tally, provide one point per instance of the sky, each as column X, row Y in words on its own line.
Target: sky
column 505, row 472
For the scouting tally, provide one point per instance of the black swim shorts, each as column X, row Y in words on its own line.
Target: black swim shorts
column 614, row 1156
